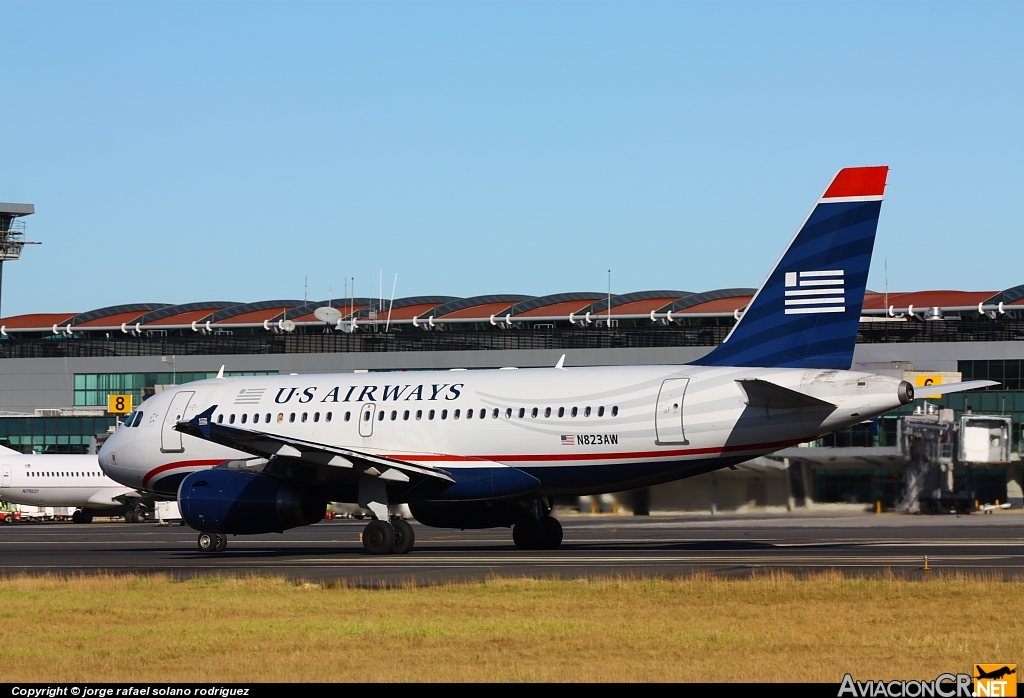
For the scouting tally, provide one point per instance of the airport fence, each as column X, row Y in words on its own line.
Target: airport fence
column 191, row 344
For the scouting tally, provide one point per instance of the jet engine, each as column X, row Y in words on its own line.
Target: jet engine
column 232, row 501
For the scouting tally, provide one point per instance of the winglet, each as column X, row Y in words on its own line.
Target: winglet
column 202, row 421
column 220, row 373
column 561, row 362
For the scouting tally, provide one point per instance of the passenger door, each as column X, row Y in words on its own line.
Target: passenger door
column 6, row 481
column 366, row 419
column 170, row 440
column 668, row 420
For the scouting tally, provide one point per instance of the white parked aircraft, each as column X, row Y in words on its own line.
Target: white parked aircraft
column 475, row 449
column 50, row 480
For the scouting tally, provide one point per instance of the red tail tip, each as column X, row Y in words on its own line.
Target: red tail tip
column 858, row 181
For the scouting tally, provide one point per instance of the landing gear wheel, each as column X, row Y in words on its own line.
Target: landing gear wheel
column 405, row 537
column 528, row 535
column 379, row 538
column 81, row 517
column 207, row 542
column 222, row 542
column 552, row 533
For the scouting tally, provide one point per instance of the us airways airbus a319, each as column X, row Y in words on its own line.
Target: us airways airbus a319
column 491, row 448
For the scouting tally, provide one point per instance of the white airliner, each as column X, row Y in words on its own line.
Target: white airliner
column 476, row 449
column 51, row 480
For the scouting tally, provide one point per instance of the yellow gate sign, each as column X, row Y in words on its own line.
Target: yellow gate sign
column 119, row 404
column 928, row 381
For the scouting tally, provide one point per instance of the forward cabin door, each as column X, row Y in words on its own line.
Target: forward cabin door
column 6, row 481
column 366, row 419
column 170, row 440
column 668, row 420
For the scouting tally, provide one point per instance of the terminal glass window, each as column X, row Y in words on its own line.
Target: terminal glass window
column 92, row 389
column 52, row 434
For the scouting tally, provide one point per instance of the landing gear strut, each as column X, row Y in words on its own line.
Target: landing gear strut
column 385, row 538
column 212, row 542
column 537, row 534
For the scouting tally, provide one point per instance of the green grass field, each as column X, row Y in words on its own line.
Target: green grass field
column 770, row 628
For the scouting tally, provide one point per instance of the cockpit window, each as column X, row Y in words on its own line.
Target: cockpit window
column 138, row 419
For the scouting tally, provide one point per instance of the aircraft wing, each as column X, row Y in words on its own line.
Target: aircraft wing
column 762, row 393
column 266, row 445
column 944, row 388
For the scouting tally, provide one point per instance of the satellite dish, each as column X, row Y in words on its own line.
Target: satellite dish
column 327, row 314
column 288, row 325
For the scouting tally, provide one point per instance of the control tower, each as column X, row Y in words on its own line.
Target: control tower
column 12, row 234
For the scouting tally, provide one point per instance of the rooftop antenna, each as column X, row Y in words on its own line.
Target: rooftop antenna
column 609, row 298
column 392, row 306
column 12, row 233
column 305, row 290
column 887, row 286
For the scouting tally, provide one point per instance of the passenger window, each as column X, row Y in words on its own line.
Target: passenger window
column 522, row 412
column 574, row 411
column 316, row 417
column 508, row 413
column 245, row 418
column 268, row 418
column 348, row 416
column 533, row 412
column 366, row 416
column 586, row 411
column 291, row 417
column 456, row 414
column 430, row 415
column 600, row 411
column 305, row 415
column 220, row 419
column 469, row 414
column 231, row 419
column 494, row 415
column 444, row 414
column 380, row 416
column 615, row 411
column 256, row 418
column 561, row 411
column 419, row 414
column 280, row 417
column 331, row 414
column 394, row 415
column 405, row 416
column 547, row 412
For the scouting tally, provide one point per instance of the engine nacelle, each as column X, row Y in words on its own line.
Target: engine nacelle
column 232, row 501
column 501, row 514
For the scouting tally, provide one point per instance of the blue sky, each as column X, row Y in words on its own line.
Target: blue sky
column 190, row 151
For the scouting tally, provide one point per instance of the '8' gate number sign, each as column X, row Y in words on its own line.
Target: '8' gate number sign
column 119, row 404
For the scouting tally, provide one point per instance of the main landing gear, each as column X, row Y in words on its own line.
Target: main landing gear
column 544, row 533
column 386, row 538
column 212, row 542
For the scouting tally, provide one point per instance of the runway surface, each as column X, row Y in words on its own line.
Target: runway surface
column 594, row 545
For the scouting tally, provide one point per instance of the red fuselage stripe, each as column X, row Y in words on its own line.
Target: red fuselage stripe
column 177, row 464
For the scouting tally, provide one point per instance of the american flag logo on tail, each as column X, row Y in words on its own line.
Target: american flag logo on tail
column 815, row 292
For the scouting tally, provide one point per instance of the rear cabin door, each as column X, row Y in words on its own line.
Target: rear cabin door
column 170, row 440
column 366, row 419
column 668, row 420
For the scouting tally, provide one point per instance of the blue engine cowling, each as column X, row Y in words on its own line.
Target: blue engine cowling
column 233, row 501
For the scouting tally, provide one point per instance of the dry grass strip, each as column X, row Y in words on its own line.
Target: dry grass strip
column 773, row 627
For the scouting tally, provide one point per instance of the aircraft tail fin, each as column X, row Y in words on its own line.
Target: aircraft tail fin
column 806, row 313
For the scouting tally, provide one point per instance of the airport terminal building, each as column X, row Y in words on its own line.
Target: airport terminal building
column 57, row 371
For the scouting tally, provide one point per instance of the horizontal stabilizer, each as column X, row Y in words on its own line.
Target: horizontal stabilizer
column 761, row 393
column 921, row 391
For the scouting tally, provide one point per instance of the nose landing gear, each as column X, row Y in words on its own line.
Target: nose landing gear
column 212, row 542
column 386, row 538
